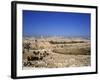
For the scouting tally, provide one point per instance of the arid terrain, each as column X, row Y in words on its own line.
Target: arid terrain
column 56, row 52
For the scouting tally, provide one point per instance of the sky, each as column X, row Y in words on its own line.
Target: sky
column 56, row 23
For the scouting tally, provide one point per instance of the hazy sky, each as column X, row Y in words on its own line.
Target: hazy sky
column 56, row 23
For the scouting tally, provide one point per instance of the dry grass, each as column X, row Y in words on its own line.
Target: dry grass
column 62, row 53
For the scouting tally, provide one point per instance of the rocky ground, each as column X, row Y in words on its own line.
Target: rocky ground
column 56, row 60
column 61, row 60
column 53, row 54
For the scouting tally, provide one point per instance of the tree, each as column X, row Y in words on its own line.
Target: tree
column 27, row 46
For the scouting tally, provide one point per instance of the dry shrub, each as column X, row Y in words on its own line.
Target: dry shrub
column 65, row 42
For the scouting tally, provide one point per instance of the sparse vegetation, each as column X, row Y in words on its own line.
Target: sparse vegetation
column 27, row 46
column 54, row 53
column 73, row 51
column 64, row 42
